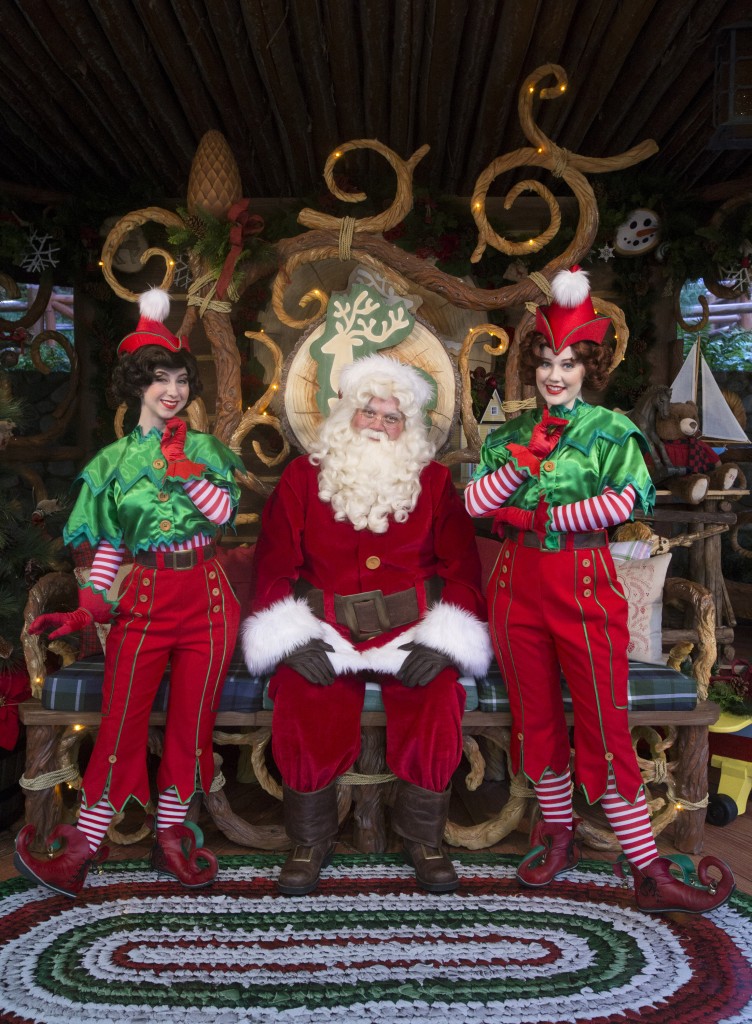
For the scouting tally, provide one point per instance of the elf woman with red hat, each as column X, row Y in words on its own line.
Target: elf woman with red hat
column 555, row 481
column 161, row 492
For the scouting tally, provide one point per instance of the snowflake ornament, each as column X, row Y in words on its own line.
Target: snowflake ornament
column 606, row 253
column 40, row 253
column 738, row 277
column 182, row 276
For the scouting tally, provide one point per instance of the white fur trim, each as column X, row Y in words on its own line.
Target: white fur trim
column 362, row 371
column 388, row 658
column 270, row 635
column 154, row 304
column 570, row 288
column 458, row 634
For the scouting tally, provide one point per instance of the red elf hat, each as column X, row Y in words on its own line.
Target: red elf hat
column 570, row 317
column 154, row 307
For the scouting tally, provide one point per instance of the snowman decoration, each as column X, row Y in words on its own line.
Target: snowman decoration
column 640, row 233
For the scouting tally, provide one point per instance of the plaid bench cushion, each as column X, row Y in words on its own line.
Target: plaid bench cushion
column 79, row 687
column 650, row 688
column 373, row 702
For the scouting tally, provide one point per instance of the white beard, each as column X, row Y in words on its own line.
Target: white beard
column 366, row 477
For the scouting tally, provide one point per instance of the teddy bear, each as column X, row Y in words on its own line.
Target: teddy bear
column 694, row 467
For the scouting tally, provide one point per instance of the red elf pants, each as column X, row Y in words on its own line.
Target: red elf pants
column 189, row 617
column 564, row 612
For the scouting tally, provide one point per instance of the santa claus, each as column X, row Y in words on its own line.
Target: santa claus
column 367, row 568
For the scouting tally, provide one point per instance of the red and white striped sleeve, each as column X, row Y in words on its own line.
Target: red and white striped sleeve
column 489, row 492
column 212, row 501
column 107, row 561
column 597, row 513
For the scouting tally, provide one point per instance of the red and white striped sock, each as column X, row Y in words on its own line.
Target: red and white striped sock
column 94, row 822
column 170, row 811
column 631, row 825
column 554, row 794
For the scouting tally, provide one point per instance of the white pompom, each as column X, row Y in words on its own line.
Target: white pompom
column 570, row 288
column 154, row 304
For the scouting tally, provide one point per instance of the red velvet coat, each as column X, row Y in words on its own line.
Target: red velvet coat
column 300, row 539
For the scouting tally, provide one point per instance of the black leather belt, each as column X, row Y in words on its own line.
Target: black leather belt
column 175, row 559
column 571, row 541
column 372, row 612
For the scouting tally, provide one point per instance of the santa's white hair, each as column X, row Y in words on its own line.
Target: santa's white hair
column 366, row 482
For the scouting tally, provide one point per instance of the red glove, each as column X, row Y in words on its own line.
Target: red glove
column 546, row 434
column 516, row 517
column 525, row 458
column 173, row 449
column 540, row 519
column 92, row 607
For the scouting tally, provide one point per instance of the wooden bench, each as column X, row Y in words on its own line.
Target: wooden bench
column 673, row 752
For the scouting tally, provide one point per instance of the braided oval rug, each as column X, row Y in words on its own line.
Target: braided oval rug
column 366, row 947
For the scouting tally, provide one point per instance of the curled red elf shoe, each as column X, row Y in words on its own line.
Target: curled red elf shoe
column 555, row 849
column 669, row 884
column 65, row 865
column 178, row 852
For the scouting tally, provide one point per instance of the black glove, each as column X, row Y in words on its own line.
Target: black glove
column 311, row 661
column 421, row 665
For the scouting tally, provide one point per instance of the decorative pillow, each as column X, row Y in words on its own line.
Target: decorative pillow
column 626, row 550
column 642, row 580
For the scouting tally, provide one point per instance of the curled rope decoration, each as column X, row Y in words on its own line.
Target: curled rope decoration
column 346, row 231
column 354, row 779
column 542, row 282
column 52, row 779
column 207, row 301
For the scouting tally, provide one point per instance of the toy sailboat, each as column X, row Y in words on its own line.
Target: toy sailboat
column 718, row 421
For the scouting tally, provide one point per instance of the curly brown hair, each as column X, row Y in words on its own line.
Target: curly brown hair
column 136, row 371
column 596, row 359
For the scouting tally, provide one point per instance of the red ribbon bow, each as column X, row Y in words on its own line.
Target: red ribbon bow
column 244, row 225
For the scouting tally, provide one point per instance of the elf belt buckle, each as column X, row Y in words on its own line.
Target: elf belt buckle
column 350, row 604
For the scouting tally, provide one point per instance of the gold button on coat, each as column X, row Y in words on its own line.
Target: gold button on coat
column 165, row 525
column 112, row 759
column 586, row 563
column 159, row 464
column 587, row 593
column 215, row 608
column 609, row 757
column 520, row 736
column 549, row 466
column 373, row 562
column 587, row 579
column 212, row 575
column 143, row 597
column 163, row 496
column 199, row 751
column 215, row 592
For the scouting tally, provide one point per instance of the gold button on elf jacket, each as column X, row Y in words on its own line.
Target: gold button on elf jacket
column 373, row 562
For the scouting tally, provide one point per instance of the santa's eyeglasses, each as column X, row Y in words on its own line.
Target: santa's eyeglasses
column 389, row 419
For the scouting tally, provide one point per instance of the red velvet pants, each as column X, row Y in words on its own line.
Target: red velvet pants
column 190, row 618
column 564, row 612
column 316, row 729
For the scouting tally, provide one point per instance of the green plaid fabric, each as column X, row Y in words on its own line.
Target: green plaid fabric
column 650, row 688
column 373, row 701
column 79, row 687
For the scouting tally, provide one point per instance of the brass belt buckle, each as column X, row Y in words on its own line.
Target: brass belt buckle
column 183, row 560
column 351, row 618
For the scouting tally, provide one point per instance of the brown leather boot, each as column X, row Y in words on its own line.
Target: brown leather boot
column 419, row 816
column 658, row 890
column 554, row 850
column 66, row 864
column 311, row 822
